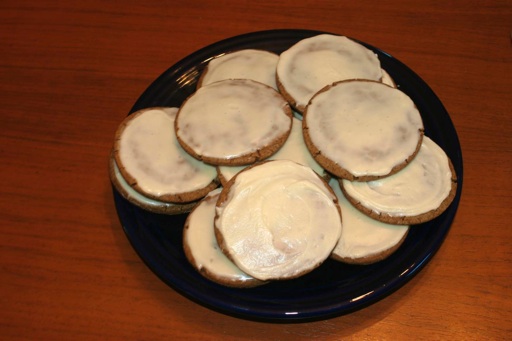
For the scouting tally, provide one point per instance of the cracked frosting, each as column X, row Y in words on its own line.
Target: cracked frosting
column 278, row 220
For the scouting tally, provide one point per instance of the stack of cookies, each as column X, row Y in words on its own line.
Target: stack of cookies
column 284, row 161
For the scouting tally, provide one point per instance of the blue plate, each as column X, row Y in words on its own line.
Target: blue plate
column 334, row 288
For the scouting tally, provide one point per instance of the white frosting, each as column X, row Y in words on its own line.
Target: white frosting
column 294, row 149
column 280, row 220
column 150, row 153
column 136, row 195
column 200, row 238
column 386, row 79
column 365, row 127
column 363, row 236
column 257, row 65
column 232, row 118
column 418, row 188
column 315, row 62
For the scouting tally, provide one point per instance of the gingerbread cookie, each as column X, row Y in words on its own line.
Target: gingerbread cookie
column 203, row 252
column 313, row 63
column 364, row 240
column 152, row 162
column 140, row 200
column 233, row 122
column 418, row 193
column 294, row 149
column 277, row 220
column 258, row 65
column 362, row 130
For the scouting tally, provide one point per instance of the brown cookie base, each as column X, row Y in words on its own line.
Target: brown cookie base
column 242, row 160
column 293, row 103
column 340, row 172
column 226, row 281
column 223, row 181
column 408, row 220
column 158, row 207
column 174, row 198
column 262, row 152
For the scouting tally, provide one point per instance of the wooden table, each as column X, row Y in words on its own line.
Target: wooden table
column 71, row 71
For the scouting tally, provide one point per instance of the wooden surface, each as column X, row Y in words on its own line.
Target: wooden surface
column 71, row 70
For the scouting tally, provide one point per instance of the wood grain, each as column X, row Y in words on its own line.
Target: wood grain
column 70, row 72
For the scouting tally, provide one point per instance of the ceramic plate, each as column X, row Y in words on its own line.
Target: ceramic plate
column 334, row 288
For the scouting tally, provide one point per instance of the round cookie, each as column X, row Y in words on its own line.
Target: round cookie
column 362, row 130
column 277, row 220
column 140, row 200
column 313, row 63
column 233, row 122
column 151, row 160
column 418, row 193
column 294, row 149
column 203, row 252
column 364, row 240
column 258, row 65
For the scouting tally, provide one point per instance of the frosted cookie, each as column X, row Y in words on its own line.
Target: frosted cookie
column 202, row 250
column 364, row 240
column 140, row 200
column 313, row 63
column 294, row 149
column 151, row 160
column 233, row 122
column 362, row 130
column 277, row 220
column 418, row 193
column 257, row 65
column 387, row 79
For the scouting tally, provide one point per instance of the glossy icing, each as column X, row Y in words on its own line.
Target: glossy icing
column 232, row 118
column 420, row 187
column 200, row 238
column 365, row 127
column 134, row 194
column 257, row 65
column 315, row 62
column 150, row 153
column 363, row 236
column 294, row 149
